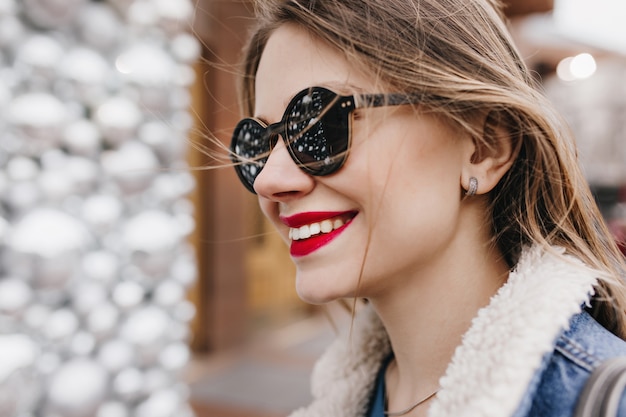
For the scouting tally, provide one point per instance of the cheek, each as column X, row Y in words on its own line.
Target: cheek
column 407, row 164
column 420, row 192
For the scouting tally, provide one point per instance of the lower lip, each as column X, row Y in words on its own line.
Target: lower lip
column 306, row 246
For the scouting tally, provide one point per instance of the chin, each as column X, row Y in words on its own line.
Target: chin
column 315, row 291
column 315, row 297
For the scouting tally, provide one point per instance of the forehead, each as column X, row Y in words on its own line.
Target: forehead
column 293, row 60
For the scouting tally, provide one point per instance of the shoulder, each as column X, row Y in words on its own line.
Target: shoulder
column 578, row 351
column 587, row 343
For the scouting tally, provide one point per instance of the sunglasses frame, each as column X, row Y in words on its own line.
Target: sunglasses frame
column 339, row 108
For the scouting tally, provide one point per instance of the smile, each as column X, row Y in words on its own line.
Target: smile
column 313, row 230
column 308, row 230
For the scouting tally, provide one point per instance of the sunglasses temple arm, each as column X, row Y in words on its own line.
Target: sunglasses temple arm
column 380, row 100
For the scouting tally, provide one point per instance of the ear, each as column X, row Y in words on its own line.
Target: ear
column 491, row 156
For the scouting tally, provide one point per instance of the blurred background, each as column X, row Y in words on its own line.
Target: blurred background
column 137, row 281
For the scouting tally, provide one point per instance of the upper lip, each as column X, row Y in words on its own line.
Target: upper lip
column 304, row 218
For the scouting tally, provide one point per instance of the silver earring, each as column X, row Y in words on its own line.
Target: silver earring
column 473, row 187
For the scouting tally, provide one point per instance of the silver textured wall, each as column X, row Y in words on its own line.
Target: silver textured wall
column 94, row 216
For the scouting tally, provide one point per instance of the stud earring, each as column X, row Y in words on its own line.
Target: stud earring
column 473, row 187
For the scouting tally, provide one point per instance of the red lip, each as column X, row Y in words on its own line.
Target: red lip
column 300, row 219
column 306, row 246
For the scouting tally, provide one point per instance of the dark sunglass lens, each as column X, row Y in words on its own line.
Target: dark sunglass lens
column 250, row 150
column 317, row 130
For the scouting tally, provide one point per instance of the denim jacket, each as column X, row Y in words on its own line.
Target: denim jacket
column 528, row 353
column 558, row 382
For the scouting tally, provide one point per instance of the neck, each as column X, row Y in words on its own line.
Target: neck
column 427, row 316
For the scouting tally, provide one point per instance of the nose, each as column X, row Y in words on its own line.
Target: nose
column 281, row 179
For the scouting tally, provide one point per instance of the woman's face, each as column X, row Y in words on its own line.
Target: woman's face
column 394, row 208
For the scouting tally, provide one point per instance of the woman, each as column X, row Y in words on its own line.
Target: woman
column 410, row 161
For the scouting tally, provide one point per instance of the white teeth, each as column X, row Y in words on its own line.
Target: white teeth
column 327, row 226
column 315, row 229
column 306, row 231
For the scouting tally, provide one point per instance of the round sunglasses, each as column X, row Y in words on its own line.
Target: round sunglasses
column 316, row 130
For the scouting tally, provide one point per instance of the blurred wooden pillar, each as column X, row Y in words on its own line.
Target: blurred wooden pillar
column 220, row 201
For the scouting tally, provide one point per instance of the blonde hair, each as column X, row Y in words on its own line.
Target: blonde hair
column 458, row 56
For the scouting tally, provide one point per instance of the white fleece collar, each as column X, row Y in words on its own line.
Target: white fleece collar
column 491, row 370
